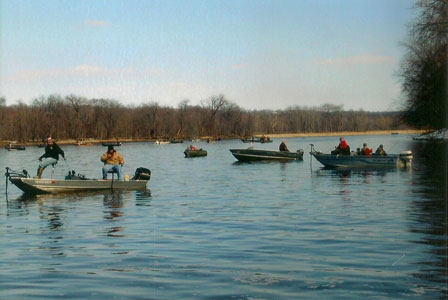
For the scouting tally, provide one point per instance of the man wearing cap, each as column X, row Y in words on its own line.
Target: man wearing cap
column 342, row 148
column 366, row 150
column 380, row 151
column 283, row 147
column 51, row 155
column 112, row 161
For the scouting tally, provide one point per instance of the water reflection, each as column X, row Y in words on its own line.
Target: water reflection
column 113, row 202
column 143, row 198
column 429, row 210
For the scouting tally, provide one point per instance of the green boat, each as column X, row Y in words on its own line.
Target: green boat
column 257, row 155
column 195, row 153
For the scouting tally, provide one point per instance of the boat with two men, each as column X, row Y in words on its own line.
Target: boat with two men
column 251, row 154
column 355, row 160
column 75, row 183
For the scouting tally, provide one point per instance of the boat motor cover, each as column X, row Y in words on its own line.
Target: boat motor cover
column 142, row 174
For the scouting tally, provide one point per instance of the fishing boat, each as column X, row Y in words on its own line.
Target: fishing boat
column 176, row 141
column 75, row 183
column 161, row 142
column 355, row 160
column 263, row 139
column 195, row 153
column 250, row 140
column 83, row 143
column 251, row 154
column 11, row 147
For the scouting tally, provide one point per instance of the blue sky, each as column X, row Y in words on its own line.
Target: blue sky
column 259, row 54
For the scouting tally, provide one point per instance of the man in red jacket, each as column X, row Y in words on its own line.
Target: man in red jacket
column 366, row 150
column 342, row 148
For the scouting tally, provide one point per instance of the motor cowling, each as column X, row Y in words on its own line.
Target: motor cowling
column 142, row 174
column 406, row 157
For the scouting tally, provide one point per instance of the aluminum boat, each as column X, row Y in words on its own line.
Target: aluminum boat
column 404, row 159
column 251, row 154
column 76, row 183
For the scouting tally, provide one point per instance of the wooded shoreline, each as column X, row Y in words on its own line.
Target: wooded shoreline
column 204, row 138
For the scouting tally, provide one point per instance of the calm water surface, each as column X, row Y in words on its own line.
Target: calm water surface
column 213, row 228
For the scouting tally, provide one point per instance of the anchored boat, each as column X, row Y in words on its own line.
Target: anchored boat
column 251, row 154
column 195, row 153
column 354, row 160
column 11, row 147
column 75, row 183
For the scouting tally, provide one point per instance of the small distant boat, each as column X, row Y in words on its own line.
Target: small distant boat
column 11, row 147
column 176, row 141
column 73, row 183
column 263, row 139
column 83, row 143
column 195, row 153
column 113, row 144
column 251, row 154
column 250, row 140
column 361, row 161
column 162, row 142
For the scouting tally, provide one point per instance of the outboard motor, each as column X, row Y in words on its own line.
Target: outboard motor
column 405, row 158
column 142, row 174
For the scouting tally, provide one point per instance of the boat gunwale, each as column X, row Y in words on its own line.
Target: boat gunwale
column 50, row 186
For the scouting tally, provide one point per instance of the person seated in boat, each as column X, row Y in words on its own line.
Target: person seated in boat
column 112, row 161
column 51, row 156
column 366, row 150
column 191, row 147
column 380, row 151
column 283, row 147
column 342, row 148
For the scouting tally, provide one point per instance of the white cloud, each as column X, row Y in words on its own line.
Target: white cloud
column 95, row 23
column 362, row 59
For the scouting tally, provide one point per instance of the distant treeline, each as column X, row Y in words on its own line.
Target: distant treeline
column 74, row 117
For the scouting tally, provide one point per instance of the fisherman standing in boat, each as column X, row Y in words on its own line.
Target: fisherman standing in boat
column 342, row 148
column 112, row 161
column 51, row 155
column 283, row 147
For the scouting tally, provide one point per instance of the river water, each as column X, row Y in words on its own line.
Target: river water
column 213, row 228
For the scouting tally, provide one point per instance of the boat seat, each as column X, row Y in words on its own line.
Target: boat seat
column 112, row 171
column 52, row 169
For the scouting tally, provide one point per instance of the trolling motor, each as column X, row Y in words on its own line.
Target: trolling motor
column 11, row 173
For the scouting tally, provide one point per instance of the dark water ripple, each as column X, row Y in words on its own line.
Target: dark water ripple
column 213, row 228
